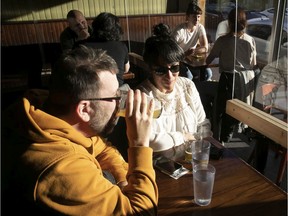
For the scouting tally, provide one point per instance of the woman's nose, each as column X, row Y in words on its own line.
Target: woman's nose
column 169, row 74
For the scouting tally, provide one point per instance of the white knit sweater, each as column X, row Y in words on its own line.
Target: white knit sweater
column 181, row 108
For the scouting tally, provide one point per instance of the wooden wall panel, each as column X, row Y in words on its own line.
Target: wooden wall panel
column 136, row 28
column 18, row 34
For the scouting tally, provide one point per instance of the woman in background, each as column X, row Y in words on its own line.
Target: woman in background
column 106, row 35
column 237, row 59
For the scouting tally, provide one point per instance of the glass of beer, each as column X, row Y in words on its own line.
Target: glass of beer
column 122, row 110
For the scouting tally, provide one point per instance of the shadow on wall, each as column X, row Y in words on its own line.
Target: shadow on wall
column 27, row 7
column 28, row 60
column 178, row 6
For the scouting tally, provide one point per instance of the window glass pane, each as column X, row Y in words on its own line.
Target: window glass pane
column 271, row 92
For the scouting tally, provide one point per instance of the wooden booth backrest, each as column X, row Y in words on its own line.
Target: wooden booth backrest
column 29, row 49
column 136, row 28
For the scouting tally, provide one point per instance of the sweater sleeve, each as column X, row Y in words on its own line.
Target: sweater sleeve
column 110, row 159
column 161, row 141
column 75, row 186
column 214, row 53
column 195, row 102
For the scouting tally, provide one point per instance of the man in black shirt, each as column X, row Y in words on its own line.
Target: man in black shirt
column 78, row 30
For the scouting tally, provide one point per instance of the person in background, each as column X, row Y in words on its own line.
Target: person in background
column 191, row 37
column 271, row 88
column 107, row 33
column 57, row 161
column 161, row 29
column 182, row 110
column 78, row 30
column 222, row 29
column 237, row 60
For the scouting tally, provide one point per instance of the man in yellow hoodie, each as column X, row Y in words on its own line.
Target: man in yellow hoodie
column 54, row 154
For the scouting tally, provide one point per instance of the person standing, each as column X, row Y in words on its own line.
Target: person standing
column 77, row 30
column 191, row 37
column 237, row 60
column 57, row 161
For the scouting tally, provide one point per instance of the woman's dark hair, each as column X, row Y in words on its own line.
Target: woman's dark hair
column 193, row 9
column 162, row 48
column 161, row 29
column 106, row 27
column 237, row 20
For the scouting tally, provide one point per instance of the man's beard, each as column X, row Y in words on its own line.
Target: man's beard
column 100, row 125
column 109, row 126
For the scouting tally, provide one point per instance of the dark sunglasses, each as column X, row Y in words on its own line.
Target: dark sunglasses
column 160, row 70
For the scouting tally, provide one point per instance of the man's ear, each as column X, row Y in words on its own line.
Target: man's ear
column 82, row 110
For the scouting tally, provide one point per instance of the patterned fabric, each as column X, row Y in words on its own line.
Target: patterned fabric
column 181, row 108
column 274, row 74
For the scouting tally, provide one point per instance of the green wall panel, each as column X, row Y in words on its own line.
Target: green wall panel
column 27, row 10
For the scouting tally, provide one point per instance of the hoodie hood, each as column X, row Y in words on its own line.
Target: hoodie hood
column 27, row 119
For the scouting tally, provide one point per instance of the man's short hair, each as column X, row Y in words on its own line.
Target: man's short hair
column 193, row 9
column 75, row 77
column 73, row 14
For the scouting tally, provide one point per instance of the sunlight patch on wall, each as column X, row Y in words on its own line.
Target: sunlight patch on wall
column 27, row 10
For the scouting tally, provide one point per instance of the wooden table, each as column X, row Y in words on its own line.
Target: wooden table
column 239, row 190
column 199, row 62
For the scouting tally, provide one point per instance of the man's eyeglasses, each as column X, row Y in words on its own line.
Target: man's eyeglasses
column 110, row 99
column 164, row 70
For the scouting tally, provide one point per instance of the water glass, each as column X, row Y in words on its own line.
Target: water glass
column 203, row 182
column 200, row 152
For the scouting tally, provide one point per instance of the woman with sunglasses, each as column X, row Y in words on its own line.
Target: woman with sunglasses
column 182, row 107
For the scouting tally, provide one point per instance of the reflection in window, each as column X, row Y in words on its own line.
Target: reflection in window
column 271, row 92
column 259, row 30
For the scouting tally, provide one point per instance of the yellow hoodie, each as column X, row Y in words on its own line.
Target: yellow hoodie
column 52, row 168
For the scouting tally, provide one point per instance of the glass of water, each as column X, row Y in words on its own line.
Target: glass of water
column 203, row 183
column 200, row 152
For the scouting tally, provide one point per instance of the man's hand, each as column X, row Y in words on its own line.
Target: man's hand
column 122, row 184
column 189, row 52
column 138, row 118
column 82, row 35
